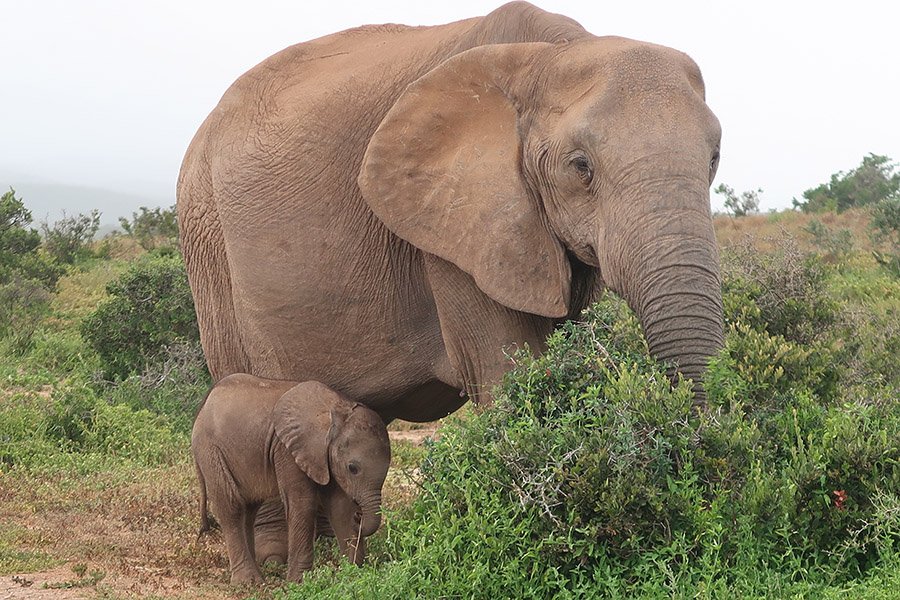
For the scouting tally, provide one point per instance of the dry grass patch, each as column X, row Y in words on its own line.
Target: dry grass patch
column 762, row 229
column 137, row 527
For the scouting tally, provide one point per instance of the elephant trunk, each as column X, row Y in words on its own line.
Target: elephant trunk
column 370, row 514
column 672, row 279
column 682, row 320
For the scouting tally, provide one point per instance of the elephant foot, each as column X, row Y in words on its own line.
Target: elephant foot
column 296, row 574
column 276, row 559
column 246, row 577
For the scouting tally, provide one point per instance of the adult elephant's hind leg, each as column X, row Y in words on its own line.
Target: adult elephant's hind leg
column 271, row 533
column 203, row 248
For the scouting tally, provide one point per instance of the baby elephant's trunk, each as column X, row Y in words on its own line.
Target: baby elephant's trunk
column 370, row 517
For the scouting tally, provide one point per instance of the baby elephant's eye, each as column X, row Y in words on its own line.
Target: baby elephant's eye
column 353, row 468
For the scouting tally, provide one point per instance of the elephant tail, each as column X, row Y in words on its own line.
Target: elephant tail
column 206, row 523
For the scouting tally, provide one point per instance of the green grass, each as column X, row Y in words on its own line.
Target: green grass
column 13, row 559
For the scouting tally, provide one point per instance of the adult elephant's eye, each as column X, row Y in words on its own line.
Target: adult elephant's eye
column 353, row 468
column 583, row 167
column 713, row 165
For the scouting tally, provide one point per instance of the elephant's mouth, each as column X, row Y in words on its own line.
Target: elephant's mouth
column 366, row 523
column 585, row 255
column 586, row 281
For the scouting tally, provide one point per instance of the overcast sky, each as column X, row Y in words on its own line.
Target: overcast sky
column 109, row 93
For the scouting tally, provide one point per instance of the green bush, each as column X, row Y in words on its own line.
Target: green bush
column 172, row 386
column 783, row 292
column 592, row 477
column 76, row 423
column 22, row 433
column 152, row 228
column 885, row 227
column 872, row 181
column 120, row 431
column 20, row 253
column 27, row 275
column 68, row 239
column 23, row 305
column 836, row 246
column 149, row 310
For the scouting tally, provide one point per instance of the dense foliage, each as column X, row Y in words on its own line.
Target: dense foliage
column 28, row 275
column 152, row 228
column 592, row 477
column 19, row 244
column 68, row 239
column 872, row 181
column 149, row 310
column 885, row 227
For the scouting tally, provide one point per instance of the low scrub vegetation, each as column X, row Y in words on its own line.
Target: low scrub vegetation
column 591, row 476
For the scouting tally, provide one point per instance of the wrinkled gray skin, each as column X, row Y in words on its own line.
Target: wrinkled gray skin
column 388, row 208
column 321, row 454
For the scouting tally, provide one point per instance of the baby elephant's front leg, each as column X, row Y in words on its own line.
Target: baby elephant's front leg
column 300, row 497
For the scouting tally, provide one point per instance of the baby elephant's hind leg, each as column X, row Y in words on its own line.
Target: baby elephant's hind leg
column 234, row 514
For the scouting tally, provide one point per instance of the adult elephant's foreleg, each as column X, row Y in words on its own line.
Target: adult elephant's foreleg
column 479, row 333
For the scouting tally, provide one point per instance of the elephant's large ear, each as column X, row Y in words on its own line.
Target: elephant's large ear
column 306, row 418
column 442, row 172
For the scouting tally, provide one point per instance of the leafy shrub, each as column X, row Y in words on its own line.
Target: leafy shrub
column 69, row 238
column 837, row 246
column 872, row 181
column 171, row 385
column 60, row 352
column 22, row 433
column 782, row 292
column 152, row 228
column 76, row 421
column 150, row 308
column 120, row 431
column 592, row 477
column 19, row 244
column 885, row 226
column 23, row 304
column 27, row 276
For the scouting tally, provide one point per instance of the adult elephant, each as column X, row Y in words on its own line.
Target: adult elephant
column 387, row 208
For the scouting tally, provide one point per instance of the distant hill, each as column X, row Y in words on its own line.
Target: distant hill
column 48, row 201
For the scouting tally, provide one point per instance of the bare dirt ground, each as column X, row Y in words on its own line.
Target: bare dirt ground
column 414, row 436
column 33, row 586
column 115, row 537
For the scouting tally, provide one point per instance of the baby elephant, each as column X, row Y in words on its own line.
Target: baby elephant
column 255, row 439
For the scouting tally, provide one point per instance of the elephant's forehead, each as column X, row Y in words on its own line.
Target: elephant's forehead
column 625, row 62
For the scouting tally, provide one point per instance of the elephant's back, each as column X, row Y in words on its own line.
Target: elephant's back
column 320, row 286
column 240, row 402
column 336, row 73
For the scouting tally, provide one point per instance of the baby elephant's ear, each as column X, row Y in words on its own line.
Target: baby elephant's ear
column 305, row 422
